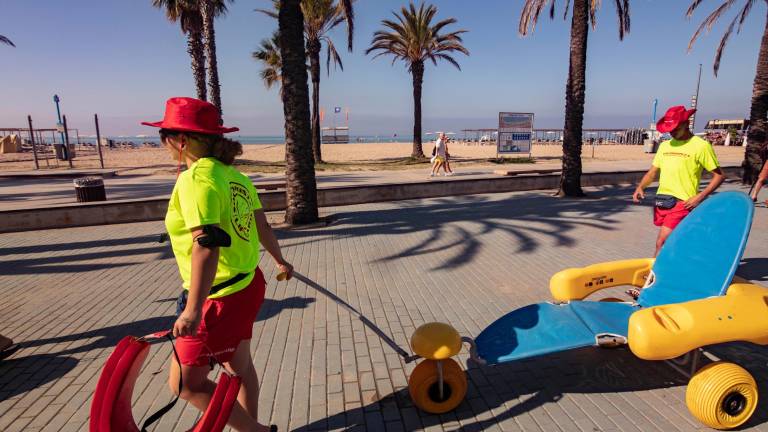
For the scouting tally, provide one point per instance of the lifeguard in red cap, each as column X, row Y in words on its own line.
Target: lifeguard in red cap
column 680, row 161
column 216, row 225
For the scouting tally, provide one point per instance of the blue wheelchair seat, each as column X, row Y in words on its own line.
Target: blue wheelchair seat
column 698, row 260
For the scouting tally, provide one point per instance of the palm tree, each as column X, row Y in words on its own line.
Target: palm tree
column 186, row 13
column 300, row 185
column 584, row 14
column 756, row 137
column 320, row 17
column 209, row 10
column 6, row 41
column 414, row 39
column 269, row 54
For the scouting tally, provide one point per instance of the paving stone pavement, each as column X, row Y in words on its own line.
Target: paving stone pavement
column 70, row 295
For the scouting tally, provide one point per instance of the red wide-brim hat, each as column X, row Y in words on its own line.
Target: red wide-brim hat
column 673, row 117
column 186, row 114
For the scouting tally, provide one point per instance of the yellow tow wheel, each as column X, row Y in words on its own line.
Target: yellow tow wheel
column 722, row 395
column 424, row 386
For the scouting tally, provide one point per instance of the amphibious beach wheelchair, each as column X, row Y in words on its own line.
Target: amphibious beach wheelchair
column 690, row 299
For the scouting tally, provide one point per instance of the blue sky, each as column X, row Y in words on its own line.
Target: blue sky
column 122, row 59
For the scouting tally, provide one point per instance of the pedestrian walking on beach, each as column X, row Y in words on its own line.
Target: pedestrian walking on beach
column 679, row 161
column 447, row 165
column 761, row 178
column 216, row 224
column 438, row 155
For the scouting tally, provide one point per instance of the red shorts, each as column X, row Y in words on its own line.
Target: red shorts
column 670, row 217
column 226, row 321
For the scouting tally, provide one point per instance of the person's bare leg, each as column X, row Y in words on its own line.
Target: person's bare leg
column 242, row 365
column 761, row 178
column 198, row 390
column 438, row 164
column 664, row 232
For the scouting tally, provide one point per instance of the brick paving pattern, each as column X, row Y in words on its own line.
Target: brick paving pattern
column 70, row 295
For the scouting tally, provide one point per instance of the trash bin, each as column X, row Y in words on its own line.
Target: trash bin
column 61, row 152
column 89, row 189
column 649, row 144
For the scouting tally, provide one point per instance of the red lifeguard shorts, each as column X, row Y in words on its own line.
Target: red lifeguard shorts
column 226, row 321
column 670, row 217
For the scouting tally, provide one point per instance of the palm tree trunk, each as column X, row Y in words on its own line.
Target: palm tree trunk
column 756, row 138
column 197, row 54
column 417, row 70
column 570, row 179
column 313, row 48
column 206, row 10
column 300, row 185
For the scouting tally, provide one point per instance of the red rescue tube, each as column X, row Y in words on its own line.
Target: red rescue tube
column 111, row 406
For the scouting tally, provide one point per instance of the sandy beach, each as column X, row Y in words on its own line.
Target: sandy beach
column 340, row 157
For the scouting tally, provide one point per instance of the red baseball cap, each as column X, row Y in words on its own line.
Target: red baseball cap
column 191, row 115
column 673, row 117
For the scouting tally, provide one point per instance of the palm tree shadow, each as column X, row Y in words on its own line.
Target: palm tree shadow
column 512, row 389
column 755, row 269
column 526, row 217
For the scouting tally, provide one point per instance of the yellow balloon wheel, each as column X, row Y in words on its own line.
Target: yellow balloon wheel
column 722, row 395
column 425, row 390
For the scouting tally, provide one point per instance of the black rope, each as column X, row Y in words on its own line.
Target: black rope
column 162, row 411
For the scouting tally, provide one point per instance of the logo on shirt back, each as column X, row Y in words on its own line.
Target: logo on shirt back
column 242, row 210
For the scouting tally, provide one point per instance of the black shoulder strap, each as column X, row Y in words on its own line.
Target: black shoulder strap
column 162, row 411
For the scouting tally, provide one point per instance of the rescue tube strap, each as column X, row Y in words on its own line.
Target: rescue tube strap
column 162, row 411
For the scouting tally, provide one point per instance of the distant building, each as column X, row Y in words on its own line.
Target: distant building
column 725, row 132
column 738, row 124
column 335, row 135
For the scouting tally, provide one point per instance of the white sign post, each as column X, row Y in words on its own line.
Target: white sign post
column 515, row 133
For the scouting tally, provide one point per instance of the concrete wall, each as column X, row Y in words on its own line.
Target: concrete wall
column 126, row 211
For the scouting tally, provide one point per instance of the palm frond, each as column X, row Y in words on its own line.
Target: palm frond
column 692, row 8
column 269, row 54
column 744, row 13
column 594, row 5
column 723, row 42
column 412, row 37
column 6, row 41
column 622, row 12
column 530, row 15
column 566, row 8
column 332, row 54
column 709, row 21
column 267, row 12
column 449, row 59
column 349, row 17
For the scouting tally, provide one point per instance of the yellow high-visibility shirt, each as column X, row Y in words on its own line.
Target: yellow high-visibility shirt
column 208, row 193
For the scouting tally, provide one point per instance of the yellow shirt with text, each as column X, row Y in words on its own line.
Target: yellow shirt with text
column 680, row 163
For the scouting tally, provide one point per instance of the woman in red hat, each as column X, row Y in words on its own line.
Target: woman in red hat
column 216, row 224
